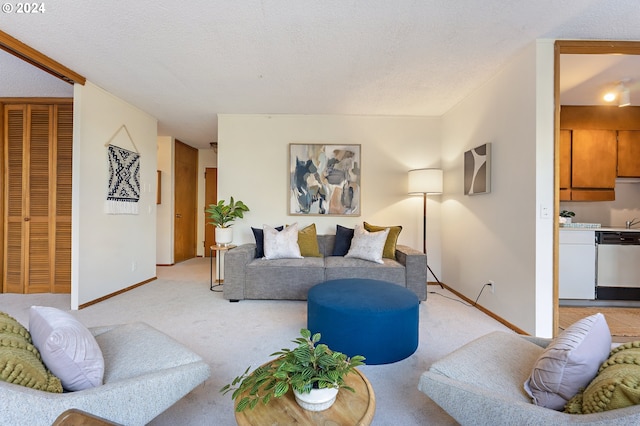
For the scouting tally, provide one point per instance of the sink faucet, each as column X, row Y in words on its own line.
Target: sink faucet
column 632, row 222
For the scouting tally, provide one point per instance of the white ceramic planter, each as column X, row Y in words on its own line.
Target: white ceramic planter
column 317, row 399
column 224, row 236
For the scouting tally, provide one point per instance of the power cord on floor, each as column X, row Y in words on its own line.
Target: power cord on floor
column 462, row 301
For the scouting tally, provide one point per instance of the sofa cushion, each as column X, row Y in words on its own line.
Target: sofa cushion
column 340, row 267
column 20, row 361
column 283, row 278
column 67, row 347
column 392, row 239
column 570, row 362
column 283, row 244
column 343, row 240
column 617, row 384
column 258, row 234
column 308, row 241
column 367, row 245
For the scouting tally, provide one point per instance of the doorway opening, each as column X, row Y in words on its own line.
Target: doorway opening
column 573, row 47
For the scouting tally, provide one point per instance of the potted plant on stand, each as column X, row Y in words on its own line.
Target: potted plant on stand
column 222, row 216
column 312, row 370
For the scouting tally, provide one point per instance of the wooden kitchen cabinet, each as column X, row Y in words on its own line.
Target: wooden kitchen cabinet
column 587, row 165
column 565, row 165
column 629, row 153
column 593, row 159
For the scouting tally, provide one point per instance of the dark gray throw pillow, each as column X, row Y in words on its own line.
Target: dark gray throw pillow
column 343, row 240
column 258, row 234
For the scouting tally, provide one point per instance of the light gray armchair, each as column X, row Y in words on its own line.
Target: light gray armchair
column 482, row 384
column 146, row 372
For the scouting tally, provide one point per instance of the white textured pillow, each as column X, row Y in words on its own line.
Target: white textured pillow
column 367, row 245
column 67, row 348
column 283, row 244
column 570, row 362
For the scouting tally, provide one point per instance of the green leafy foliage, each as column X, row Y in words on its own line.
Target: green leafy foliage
column 567, row 213
column 309, row 365
column 222, row 214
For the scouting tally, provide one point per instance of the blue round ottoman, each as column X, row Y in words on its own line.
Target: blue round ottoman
column 372, row 318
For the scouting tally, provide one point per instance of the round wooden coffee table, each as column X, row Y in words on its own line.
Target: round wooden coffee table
column 349, row 409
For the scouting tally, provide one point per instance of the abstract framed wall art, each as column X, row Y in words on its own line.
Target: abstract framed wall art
column 324, row 179
column 477, row 170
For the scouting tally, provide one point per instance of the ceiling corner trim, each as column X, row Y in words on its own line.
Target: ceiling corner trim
column 37, row 59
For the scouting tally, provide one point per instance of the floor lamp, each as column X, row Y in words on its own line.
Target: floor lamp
column 425, row 181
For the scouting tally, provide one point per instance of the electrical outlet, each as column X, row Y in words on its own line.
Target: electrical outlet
column 493, row 286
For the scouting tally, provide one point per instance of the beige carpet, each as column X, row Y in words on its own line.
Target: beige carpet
column 233, row 336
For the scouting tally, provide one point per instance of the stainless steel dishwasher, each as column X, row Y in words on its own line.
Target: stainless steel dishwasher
column 618, row 265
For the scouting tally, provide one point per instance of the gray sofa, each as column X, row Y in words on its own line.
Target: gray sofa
column 248, row 277
column 482, row 384
column 145, row 373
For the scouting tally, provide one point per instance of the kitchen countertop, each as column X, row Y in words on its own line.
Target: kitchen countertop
column 602, row 228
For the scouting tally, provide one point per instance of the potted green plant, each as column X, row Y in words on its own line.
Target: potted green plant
column 222, row 216
column 565, row 216
column 308, row 369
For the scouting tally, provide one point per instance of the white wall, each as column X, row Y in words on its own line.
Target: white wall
column 109, row 252
column 545, row 189
column 165, row 210
column 494, row 236
column 253, row 167
column 207, row 158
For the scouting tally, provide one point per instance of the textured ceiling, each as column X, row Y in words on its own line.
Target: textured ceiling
column 185, row 62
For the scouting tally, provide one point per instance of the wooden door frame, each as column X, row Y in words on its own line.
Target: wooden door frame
column 573, row 47
column 2, row 200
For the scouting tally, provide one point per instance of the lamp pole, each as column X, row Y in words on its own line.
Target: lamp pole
column 424, row 235
column 425, row 181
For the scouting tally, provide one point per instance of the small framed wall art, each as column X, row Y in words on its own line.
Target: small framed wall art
column 324, row 179
column 477, row 170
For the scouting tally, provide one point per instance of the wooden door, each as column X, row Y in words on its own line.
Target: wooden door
column 37, row 189
column 186, row 201
column 210, row 197
column 629, row 153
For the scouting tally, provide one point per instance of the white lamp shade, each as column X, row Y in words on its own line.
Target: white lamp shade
column 425, row 181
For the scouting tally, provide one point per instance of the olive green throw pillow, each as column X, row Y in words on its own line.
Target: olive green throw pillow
column 392, row 239
column 20, row 361
column 617, row 384
column 308, row 241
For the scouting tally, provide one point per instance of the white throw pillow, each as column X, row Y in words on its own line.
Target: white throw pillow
column 67, row 348
column 367, row 245
column 283, row 244
column 570, row 362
